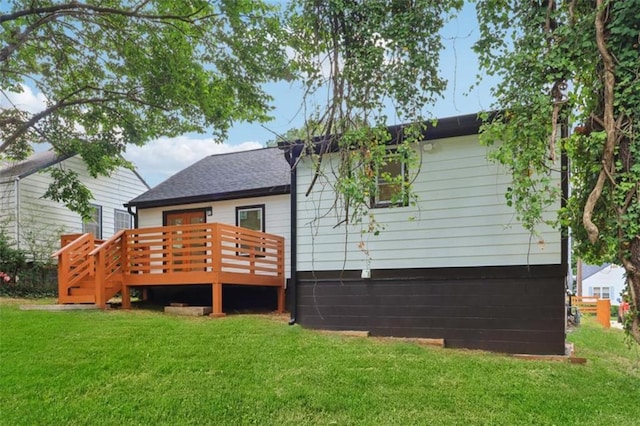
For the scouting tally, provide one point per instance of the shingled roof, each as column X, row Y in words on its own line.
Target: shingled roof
column 218, row 177
column 30, row 165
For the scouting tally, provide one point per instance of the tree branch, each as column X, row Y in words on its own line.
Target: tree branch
column 73, row 6
column 22, row 38
column 63, row 103
column 609, row 123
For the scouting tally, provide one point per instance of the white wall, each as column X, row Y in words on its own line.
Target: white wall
column 612, row 276
column 8, row 207
column 277, row 216
column 42, row 219
column 461, row 219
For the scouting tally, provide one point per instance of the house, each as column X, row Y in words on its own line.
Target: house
column 606, row 281
column 249, row 189
column 456, row 266
column 36, row 223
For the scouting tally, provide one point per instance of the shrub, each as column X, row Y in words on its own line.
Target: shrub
column 22, row 278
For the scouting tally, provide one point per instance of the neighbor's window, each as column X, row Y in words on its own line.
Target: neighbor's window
column 250, row 217
column 392, row 175
column 94, row 224
column 601, row 292
column 121, row 220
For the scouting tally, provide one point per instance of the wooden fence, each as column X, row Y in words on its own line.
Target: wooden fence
column 591, row 305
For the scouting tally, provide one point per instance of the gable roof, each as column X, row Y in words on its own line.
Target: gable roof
column 31, row 165
column 590, row 270
column 37, row 162
column 218, row 177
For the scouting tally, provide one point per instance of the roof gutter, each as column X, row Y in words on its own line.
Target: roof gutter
column 206, row 198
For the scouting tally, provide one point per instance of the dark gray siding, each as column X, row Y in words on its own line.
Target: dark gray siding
column 513, row 309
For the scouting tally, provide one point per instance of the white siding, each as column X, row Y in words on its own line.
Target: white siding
column 8, row 208
column 613, row 276
column 461, row 219
column 44, row 220
column 277, row 216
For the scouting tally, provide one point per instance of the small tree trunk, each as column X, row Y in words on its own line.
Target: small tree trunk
column 632, row 268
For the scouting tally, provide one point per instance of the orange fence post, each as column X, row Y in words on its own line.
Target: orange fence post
column 217, row 300
column 126, row 296
column 62, row 276
column 281, row 295
column 604, row 312
column 100, row 279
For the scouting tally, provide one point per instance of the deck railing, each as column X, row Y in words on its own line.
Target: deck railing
column 208, row 253
column 202, row 248
column 109, row 260
column 594, row 305
column 74, row 264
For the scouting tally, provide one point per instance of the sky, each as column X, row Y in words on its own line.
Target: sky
column 161, row 158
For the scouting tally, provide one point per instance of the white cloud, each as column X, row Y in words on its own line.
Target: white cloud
column 162, row 158
column 26, row 100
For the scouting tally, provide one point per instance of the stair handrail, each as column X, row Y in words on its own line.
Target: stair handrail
column 72, row 244
column 66, row 279
column 107, row 242
column 99, row 254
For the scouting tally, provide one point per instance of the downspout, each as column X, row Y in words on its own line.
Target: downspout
column 291, row 158
column 16, row 183
column 132, row 213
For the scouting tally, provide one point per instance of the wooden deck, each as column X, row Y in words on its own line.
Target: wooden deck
column 91, row 271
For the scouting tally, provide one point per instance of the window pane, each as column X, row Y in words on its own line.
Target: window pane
column 387, row 191
column 250, row 219
column 94, row 224
column 122, row 220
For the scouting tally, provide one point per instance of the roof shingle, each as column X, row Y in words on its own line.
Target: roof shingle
column 221, row 177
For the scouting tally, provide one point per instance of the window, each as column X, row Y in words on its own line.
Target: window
column 390, row 182
column 121, row 220
column 601, row 292
column 94, row 224
column 250, row 217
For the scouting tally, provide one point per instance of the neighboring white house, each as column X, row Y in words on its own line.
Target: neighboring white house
column 605, row 281
column 35, row 223
column 457, row 265
column 246, row 188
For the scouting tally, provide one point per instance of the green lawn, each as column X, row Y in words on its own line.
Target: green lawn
column 137, row 367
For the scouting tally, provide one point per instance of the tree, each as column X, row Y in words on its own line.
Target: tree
column 576, row 62
column 356, row 58
column 119, row 72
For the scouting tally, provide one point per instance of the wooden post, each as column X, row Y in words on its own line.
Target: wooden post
column 579, row 277
column 281, row 299
column 216, row 253
column 124, row 254
column 604, row 312
column 99, row 280
column 217, row 300
column 63, row 261
column 126, row 296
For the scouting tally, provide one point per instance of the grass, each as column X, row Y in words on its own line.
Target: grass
column 137, row 367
